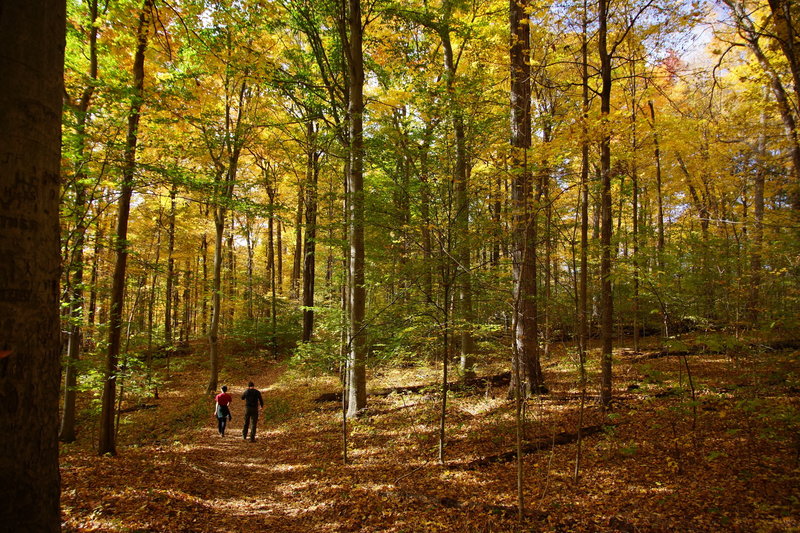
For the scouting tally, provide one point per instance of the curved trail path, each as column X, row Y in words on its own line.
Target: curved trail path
column 201, row 481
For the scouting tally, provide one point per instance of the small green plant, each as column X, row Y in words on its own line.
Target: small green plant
column 629, row 449
column 316, row 358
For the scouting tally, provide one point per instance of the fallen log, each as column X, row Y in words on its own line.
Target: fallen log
column 701, row 348
column 537, row 445
column 138, row 407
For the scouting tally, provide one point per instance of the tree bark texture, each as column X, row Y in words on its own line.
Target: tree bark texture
column 294, row 283
column 31, row 90
column 606, row 303
column 358, row 338
column 168, row 299
column 309, row 259
column 524, row 221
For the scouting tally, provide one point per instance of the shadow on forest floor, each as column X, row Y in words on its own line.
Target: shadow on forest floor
column 662, row 460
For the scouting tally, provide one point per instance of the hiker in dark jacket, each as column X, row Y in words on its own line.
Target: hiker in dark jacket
column 253, row 403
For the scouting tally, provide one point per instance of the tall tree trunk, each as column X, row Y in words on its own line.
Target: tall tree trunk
column 358, row 337
column 31, row 91
column 635, row 211
column 606, row 303
column 461, row 197
column 659, row 194
column 524, row 220
column 107, row 442
column 273, row 225
column 271, row 192
column 279, row 253
column 497, row 213
column 425, row 216
column 248, row 228
column 583, row 296
column 756, row 247
column 216, row 299
column 204, row 287
column 544, row 193
column 170, row 289
column 309, row 263
column 152, row 295
column 187, row 303
column 98, row 240
column 77, row 265
column 230, row 274
column 294, row 290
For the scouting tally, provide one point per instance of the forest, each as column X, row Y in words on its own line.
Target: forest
column 494, row 266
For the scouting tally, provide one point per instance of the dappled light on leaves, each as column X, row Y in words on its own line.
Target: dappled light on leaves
column 647, row 467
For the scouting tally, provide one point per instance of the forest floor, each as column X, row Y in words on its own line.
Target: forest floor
column 726, row 460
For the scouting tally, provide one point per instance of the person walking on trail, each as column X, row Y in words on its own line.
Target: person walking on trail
column 253, row 404
column 223, row 410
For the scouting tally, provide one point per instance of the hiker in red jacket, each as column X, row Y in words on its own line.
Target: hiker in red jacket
column 223, row 411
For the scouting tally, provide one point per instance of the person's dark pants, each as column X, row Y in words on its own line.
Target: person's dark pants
column 250, row 417
column 221, row 423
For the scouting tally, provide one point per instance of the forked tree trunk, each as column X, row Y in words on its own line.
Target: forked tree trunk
column 227, row 163
column 31, row 90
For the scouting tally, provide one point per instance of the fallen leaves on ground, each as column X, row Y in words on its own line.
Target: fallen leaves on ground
column 725, row 460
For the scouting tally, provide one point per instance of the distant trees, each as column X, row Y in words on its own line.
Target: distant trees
column 279, row 132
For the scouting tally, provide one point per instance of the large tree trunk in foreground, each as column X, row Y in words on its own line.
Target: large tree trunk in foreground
column 31, row 89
